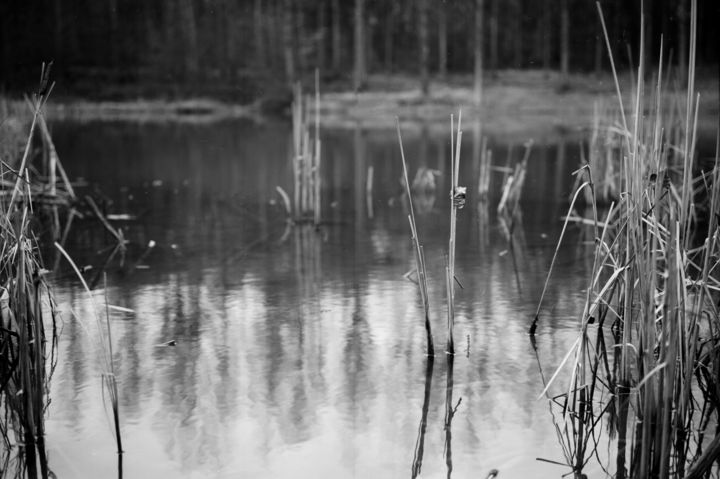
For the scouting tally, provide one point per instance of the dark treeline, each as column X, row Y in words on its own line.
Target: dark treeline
column 196, row 44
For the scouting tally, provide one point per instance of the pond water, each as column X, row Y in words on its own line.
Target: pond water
column 301, row 353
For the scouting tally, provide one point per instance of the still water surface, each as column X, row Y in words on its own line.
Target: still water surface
column 301, row 354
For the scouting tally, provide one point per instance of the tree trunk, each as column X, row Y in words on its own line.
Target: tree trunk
column 4, row 44
column 598, row 52
column 517, row 34
column 259, row 34
column 191, row 64
column 288, row 40
column 321, row 44
column 230, row 40
column 479, row 41
column 370, row 25
column 649, row 33
column 388, row 44
column 300, row 39
column 564, row 40
column 170, row 42
column 149, row 33
column 336, row 35
column 424, row 47
column 114, row 36
column 359, row 72
column 494, row 19
column 57, row 29
column 274, row 35
column 442, row 41
column 546, row 35
column 218, row 44
column 682, row 41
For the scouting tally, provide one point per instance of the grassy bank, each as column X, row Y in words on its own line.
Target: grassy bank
column 529, row 102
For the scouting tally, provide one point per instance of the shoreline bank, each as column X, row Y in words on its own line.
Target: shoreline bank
column 535, row 103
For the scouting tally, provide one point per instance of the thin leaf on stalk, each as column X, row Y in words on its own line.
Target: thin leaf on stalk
column 557, row 371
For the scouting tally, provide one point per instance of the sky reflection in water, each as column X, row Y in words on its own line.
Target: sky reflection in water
column 304, row 356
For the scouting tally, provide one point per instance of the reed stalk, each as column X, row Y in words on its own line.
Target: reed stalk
column 485, row 164
column 420, row 269
column 316, row 156
column 457, row 200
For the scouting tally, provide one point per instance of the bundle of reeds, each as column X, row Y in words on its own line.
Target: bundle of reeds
column 604, row 150
column 27, row 319
column 606, row 146
column 305, row 159
column 51, row 187
column 457, row 201
column 653, row 376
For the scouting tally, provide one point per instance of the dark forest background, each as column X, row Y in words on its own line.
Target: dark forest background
column 235, row 48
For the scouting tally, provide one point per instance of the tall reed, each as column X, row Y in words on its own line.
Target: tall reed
column 420, row 269
column 457, row 201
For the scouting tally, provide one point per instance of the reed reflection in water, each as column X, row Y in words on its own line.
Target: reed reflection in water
column 303, row 354
column 420, row 441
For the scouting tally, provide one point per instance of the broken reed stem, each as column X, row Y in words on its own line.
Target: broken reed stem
column 112, row 382
column 316, row 167
column 419, row 253
column 297, row 147
column 23, row 163
column 369, row 192
column 484, row 174
column 533, row 326
column 55, row 163
column 116, row 234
